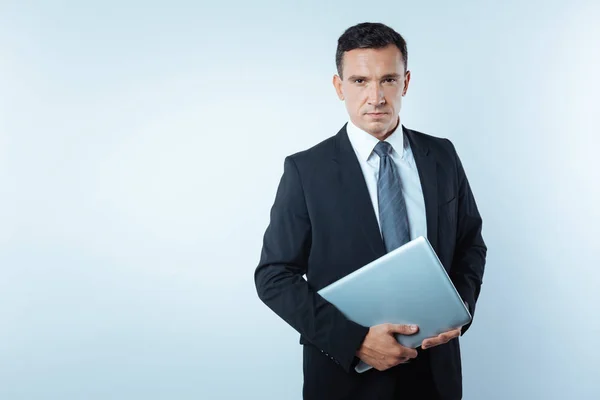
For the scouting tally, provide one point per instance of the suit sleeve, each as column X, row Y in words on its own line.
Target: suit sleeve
column 279, row 276
column 470, row 250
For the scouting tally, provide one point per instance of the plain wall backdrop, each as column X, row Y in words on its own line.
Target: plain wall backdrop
column 141, row 144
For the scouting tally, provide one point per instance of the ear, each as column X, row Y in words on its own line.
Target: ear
column 337, row 84
column 406, row 83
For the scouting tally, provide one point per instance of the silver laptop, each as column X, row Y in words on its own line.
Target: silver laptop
column 408, row 285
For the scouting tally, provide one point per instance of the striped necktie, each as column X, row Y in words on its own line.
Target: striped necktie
column 392, row 208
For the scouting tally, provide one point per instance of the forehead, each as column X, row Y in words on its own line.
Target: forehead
column 382, row 61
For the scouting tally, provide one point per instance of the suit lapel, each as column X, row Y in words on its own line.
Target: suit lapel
column 426, row 165
column 353, row 185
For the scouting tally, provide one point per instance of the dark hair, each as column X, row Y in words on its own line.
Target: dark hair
column 369, row 35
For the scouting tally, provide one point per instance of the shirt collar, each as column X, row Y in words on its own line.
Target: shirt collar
column 364, row 143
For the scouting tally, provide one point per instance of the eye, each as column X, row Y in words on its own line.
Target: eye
column 359, row 81
column 390, row 80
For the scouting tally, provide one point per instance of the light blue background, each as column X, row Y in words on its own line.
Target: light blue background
column 140, row 149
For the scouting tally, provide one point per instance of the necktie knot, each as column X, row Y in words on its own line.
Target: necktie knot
column 383, row 149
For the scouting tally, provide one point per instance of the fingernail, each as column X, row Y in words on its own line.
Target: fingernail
column 413, row 327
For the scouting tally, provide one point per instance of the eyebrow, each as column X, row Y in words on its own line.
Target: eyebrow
column 364, row 78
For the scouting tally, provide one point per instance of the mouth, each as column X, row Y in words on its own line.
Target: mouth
column 376, row 114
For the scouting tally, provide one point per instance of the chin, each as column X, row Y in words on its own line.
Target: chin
column 381, row 124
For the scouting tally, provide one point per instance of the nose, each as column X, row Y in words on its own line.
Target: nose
column 375, row 95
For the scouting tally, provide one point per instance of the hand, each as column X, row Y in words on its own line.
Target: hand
column 381, row 350
column 441, row 338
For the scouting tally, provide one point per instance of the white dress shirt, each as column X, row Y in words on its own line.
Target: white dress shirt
column 363, row 144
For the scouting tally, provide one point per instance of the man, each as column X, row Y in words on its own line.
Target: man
column 350, row 199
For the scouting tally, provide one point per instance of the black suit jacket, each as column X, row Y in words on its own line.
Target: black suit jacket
column 323, row 225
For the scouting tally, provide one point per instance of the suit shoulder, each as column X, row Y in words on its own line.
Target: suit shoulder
column 439, row 145
column 321, row 151
column 431, row 139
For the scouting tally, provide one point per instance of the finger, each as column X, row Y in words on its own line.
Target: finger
column 403, row 329
column 453, row 331
column 430, row 343
column 407, row 352
column 440, row 339
column 433, row 340
column 455, row 334
column 400, row 351
column 446, row 337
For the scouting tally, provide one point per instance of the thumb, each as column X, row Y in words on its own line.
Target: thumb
column 404, row 329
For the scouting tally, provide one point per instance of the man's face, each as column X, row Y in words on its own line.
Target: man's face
column 373, row 85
